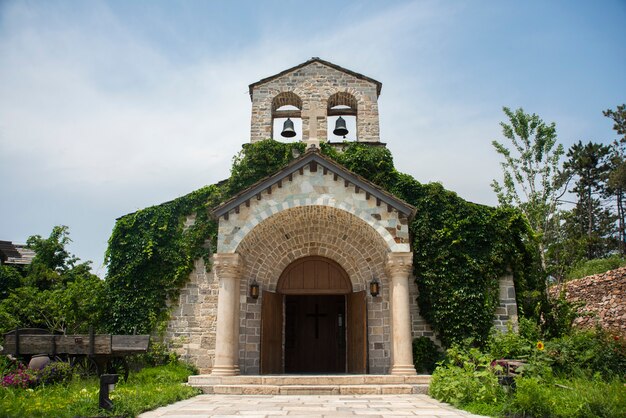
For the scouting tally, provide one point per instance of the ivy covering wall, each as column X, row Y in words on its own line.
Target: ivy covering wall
column 460, row 248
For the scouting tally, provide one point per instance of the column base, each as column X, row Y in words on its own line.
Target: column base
column 225, row 371
column 405, row 370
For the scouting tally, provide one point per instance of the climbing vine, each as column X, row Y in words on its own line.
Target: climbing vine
column 460, row 248
column 151, row 252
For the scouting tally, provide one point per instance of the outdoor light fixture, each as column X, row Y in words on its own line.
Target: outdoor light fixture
column 107, row 384
column 254, row 289
column 374, row 287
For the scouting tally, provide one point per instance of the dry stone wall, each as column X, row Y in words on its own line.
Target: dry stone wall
column 603, row 299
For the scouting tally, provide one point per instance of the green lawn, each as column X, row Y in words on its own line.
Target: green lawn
column 146, row 390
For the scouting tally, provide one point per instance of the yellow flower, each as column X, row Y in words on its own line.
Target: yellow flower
column 540, row 345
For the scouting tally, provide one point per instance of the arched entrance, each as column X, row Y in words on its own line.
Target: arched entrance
column 314, row 323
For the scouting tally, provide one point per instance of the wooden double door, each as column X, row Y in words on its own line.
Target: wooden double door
column 314, row 323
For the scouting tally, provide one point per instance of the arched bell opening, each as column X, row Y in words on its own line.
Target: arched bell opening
column 342, row 117
column 287, row 117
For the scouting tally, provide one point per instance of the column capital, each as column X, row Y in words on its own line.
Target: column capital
column 399, row 263
column 228, row 264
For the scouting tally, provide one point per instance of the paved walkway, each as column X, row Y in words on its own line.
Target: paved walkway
column 307, row 406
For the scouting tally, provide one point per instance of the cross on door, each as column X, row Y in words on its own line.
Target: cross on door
column 317, row 315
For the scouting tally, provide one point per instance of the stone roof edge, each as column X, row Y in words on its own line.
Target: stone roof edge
column 379, row 85
column 308, row 157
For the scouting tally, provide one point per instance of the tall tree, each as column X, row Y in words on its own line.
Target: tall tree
column 617, row 177
column 589, row 221
column 531, row 172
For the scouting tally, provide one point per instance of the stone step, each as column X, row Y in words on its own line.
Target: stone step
column 315, row 389
column 311, row 385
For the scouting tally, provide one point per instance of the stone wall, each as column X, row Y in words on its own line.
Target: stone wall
column 507, row 310
column 191, row 329
column 314, row 84
column 603, row 299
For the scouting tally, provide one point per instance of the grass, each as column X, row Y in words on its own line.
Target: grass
column 560, row 398
column 146, row 390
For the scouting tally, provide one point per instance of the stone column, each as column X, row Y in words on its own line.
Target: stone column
column 399, row 266
column 228, row 268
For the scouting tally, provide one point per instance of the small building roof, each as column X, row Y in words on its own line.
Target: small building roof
column 313, row 158
column 15, row 253
column 378, row 84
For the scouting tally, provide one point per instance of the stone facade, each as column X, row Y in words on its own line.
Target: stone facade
column 312, row 87
column 313, row 207
column 191, row 329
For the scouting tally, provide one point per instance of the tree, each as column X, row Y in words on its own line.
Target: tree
column 619, row 118
column 532, row 181
column 55, row 292
column 617, row 177
column 589, row 221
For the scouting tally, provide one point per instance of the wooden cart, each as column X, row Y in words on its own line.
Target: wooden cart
column 87, row 353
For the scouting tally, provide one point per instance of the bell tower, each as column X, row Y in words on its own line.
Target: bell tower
column 306, row 100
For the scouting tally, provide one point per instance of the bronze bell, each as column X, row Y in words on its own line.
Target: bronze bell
column 340, row 127
column 288, row 131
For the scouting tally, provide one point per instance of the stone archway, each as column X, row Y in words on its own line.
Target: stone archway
column 274, row 246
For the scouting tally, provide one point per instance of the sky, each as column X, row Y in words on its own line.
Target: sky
column 107, row 107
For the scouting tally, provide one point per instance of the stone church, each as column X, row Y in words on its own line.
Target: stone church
column 312, row 273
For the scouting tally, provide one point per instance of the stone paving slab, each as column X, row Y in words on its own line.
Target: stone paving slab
column 292, row 406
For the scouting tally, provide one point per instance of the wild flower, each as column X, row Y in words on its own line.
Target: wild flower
column 540, row 346
column 19, row 378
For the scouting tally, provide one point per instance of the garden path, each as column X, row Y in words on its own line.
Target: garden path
column 308, row 406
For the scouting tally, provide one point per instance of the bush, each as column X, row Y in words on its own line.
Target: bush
column 158, row 354
column 55, row 372
column 586, row 268
column 20, row 378
column 590, row 352
column 425, row 355
column 8, row 364
column 465, row 377
column 514, row 345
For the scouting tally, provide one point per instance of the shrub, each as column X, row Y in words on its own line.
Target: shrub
column 465, row 377
column 586, row 268
column 55, row 372
column 21, row 378
column 425, row 355
column 7, row 365
column 589, row 351
column 511, row 344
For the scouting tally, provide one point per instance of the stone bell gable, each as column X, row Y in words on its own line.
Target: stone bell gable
column 316, row 89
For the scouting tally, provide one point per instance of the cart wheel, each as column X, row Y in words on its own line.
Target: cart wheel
column 84, row 366
column 118, row 365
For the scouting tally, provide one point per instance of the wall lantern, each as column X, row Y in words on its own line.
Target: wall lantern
column 374, row 287
column 254, row 289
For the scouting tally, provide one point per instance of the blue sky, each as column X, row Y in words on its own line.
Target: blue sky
column 109, row 107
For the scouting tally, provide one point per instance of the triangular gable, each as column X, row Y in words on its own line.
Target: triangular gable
column 378, row 84
column 316, row 161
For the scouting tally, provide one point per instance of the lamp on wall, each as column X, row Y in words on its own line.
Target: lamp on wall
column 374, row 287
column 254, row 289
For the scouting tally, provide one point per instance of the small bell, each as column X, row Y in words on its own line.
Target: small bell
column 340, row 127
column 288, row 131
